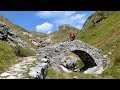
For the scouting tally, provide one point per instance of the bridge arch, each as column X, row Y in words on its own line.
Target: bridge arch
column 90, row 56
column 86, row 59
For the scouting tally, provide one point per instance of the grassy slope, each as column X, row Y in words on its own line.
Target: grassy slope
column 62, row 34
column 7, row 52
column 7, row 56
column 105, row 36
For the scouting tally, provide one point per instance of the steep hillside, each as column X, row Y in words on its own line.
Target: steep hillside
column 102, row 30
column 62, row 34
column 15, row 42
column 25, row 35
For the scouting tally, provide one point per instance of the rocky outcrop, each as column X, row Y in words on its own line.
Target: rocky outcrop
column 39, row 71
column 90, row 56
column 6, row 33
column 9, row 35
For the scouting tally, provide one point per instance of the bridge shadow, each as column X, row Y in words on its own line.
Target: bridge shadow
column 86, row 59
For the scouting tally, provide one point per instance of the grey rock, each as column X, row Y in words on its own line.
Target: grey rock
column 90, row 56
column 8, row 34
column 69, row 64
column 39, row 71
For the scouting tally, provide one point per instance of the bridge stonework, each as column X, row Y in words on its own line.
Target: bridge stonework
column 87, row 53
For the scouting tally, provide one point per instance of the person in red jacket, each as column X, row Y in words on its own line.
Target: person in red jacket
column 72, row 36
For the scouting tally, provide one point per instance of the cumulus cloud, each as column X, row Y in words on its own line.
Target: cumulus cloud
column 45, row 27
column 58, row 18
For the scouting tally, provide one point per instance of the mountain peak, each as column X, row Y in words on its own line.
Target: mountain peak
column 66, row 27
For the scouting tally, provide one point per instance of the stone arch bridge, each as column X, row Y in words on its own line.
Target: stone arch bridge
column 90, row 56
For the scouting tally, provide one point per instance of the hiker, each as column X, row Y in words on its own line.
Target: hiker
column 72, row 36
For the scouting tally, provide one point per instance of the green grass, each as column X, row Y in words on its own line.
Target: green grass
column 26, row 75
column 55, row 74
column 23, row 51
column 62, row 35
column 112, row 72
column 106, row 37
column 7, row 56
column 113, row 69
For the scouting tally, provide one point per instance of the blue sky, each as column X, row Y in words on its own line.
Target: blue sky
column 46, row 21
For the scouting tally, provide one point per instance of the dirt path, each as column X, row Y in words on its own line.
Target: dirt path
column 20, row 70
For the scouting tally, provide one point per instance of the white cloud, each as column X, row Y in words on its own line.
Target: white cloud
column 49, row 32
column 58, row 18
column 50, row 14
column 45, row 27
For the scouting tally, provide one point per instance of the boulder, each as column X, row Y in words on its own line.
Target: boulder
column 69, row 64
column 45, row 60
column 39, row 71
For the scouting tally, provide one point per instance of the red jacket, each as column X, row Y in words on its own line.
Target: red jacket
column 72, row 36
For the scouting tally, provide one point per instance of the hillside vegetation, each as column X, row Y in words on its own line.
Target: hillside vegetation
column 25, row 35
column 7, row 56
column 62, row 34
column 8, row 53
column 102, row 30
